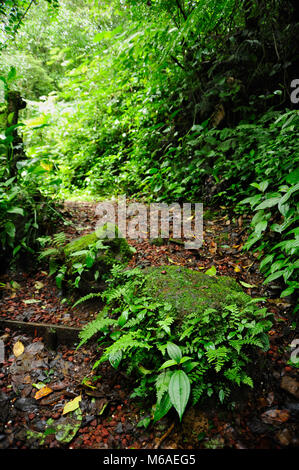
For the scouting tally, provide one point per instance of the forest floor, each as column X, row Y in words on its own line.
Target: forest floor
column 265, row 417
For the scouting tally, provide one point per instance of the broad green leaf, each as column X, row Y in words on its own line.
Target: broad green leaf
column 179, row 391
column 162, row 407
column 288, row 291
column 273, row 201
column 211, row 271
column 79, row 253
column 169, row 363
column 266, row 261
column 90, row 259
column 273, row 276
column 261, row 227
column 174, row 352
column 261, row 186
column 115, row 358
column 16, row 210
column 123, row 318
column 10, row 229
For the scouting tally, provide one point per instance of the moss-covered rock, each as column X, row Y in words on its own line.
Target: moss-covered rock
column 191, row 291
column 96, row 254
column 79, row 244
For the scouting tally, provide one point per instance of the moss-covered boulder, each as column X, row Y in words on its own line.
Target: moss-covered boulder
column 89, row 258
column 191, row 291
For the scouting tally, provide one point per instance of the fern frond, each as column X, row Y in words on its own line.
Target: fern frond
column 87, row 297
column 49, row 252
column 93, row 327
column 162, row 382
column 219, row 356
column 197, row 392
column 59, row 239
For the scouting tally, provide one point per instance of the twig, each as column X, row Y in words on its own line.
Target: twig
column 25, row 13
column 275, row 46
column 164, row 436
column 177, row 62
column 181, row 9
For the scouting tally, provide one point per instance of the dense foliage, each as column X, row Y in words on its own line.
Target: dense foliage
column 163, row 100
column 210, row 352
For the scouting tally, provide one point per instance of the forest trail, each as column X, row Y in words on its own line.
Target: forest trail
column 37, row 299
column 109, row 419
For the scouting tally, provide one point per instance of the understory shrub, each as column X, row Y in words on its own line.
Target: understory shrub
column 205, row 351
column 24, row 216
column 85, row 262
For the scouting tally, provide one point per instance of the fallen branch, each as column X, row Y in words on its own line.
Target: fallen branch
column 164, row 436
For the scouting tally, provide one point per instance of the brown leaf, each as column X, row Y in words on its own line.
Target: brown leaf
column 275, row 416
column 43, row 392
column 18, row 348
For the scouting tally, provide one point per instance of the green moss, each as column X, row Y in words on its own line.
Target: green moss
column 191, row 291
column 157, row 241
column 81, row 243
column 114, row 250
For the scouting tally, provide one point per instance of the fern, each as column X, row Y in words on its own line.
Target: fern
column 217, row 344
column 218, row 356
column 235, row 374
column 49, row 252
column 99, row 323
column 124, row 343
column 59, row 239
column 165, row 324
column 90, row 296
column 162, row 382
column 197, row 392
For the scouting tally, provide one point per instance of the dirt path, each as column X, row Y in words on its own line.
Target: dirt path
column 266, row 418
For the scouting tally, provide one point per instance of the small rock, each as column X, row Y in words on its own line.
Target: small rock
column 239, row 445
column 276, row 375
column 284, row 437
column 119, row 428
column 26, row 404
column 4, row 407
column 59, row 386
column 270, row 398
column 293, row 407
column 275, row 416
column 105, row 433
column 290, row 385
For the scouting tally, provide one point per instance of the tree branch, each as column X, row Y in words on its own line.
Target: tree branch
column 177, row 62
column 23, row 16
column 181, row 9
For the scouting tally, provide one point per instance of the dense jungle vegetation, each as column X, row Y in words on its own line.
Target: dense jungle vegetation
column 164, row 101
column 167, row 100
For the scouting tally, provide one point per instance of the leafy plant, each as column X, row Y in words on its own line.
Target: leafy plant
column 209, row 354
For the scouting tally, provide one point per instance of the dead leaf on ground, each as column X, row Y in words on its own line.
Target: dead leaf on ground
column 18, row 348
column 72, row 405
column 31, row 301
column 43, row 392
column 38, row 285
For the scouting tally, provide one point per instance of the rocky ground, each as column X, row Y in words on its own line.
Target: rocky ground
column 101, row 413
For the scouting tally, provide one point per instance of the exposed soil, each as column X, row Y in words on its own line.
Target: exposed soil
column 266, row 417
